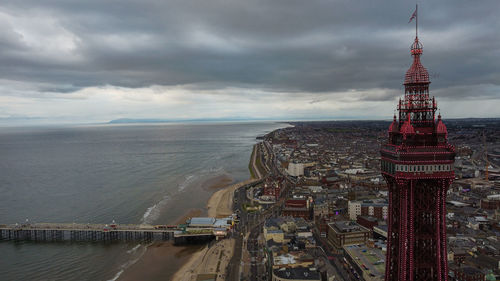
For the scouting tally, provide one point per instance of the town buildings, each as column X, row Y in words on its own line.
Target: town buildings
column 345, row 233
column 375, row 208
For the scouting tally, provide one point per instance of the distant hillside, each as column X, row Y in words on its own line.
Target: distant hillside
column 130, row 120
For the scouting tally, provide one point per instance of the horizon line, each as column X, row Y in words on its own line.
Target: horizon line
column 128, row 121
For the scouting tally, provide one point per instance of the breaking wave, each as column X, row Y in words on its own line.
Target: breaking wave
column 189, row 179
column 201, row 175
column 134, row 249
column 130, row 262
column 153, row 212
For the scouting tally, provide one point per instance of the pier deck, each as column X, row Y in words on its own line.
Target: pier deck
column 93, row 232
column 83, row 232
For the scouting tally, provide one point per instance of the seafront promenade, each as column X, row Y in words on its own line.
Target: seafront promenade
column 258, row 170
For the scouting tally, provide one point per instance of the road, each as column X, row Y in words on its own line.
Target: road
column 273, row 166
column 249, row 223
column 233, row 267
column 335, row 262
column 254, row 161
column 254, row 247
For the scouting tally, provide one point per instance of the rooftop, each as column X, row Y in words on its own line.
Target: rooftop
column 202, row 221
column 371, row 260
column 346, row 226
column 298, row 273
column 382, row 227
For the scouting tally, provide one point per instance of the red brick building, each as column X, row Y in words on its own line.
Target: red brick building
column 273, row 188
column 490, row 204
column 298, row 208
column 367, row 221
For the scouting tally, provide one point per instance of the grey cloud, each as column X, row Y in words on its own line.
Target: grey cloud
column 284, row 45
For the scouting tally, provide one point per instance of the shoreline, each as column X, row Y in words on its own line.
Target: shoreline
column 219, row 205
column 164, row 261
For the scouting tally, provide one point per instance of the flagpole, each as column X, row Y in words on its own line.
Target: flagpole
column 416, row 20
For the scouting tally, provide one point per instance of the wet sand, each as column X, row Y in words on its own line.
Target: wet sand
column 162, row 259
column 217, row 183
column 160, row 262
column 220, row 203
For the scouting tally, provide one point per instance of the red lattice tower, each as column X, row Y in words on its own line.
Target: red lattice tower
column 417, row 164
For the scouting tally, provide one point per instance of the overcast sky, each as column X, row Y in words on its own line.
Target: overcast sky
column 73, row 61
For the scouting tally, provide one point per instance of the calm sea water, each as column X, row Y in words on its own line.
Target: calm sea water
column 97, row 174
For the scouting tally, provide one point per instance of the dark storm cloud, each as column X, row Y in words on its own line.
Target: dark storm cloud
column 283, row 45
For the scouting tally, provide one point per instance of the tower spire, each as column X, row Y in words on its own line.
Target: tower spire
column 419, row 104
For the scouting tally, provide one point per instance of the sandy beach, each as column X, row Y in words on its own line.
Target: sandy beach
column 210, row 260
column 164, row 261
column 220, row 203
column 204, row 261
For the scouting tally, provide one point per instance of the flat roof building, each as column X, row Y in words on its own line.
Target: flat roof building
column 201, row 222
column 368, row 263
column 296, row 274
column 345, row 233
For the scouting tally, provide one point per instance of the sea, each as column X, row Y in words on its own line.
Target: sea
column 126, row 173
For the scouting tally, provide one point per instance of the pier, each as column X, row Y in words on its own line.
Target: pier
column 98, row 232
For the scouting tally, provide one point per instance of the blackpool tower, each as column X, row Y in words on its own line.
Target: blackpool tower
column 417, row 164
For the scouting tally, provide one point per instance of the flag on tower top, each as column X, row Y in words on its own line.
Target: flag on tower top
column 414, row 15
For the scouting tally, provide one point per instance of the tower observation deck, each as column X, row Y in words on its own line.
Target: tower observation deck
column 417, row 164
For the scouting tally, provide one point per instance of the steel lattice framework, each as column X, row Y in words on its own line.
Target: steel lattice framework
column 417, row 163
